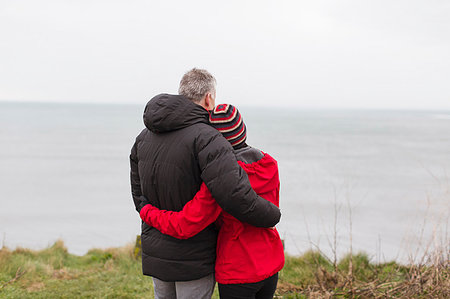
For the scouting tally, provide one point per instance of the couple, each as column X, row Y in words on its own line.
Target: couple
column 192, row 176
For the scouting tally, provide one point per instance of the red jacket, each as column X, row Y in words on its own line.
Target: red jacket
column 245, row 254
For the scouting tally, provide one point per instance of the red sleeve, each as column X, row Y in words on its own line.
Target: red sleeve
column 196, row 215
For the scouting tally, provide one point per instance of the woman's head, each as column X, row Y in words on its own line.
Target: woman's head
column 228, row 121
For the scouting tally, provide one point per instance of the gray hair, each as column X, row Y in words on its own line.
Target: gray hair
column 196, row 83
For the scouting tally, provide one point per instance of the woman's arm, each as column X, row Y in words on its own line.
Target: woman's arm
column 196, row 215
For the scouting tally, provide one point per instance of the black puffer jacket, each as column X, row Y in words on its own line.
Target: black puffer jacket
column 169, row 160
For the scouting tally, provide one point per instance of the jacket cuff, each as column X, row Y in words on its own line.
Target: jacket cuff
column 145, row 210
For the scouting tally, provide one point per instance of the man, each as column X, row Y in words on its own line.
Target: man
column 170, row 159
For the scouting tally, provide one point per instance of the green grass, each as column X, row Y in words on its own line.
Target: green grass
column 116, row 273
column 54, row 273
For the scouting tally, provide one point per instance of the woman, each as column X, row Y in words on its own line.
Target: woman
column 248, row 258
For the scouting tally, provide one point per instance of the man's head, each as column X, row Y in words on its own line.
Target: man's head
column 199, row 86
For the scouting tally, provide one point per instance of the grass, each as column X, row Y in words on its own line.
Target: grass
column 312, row 275
column 54, row 273
column 116, row 273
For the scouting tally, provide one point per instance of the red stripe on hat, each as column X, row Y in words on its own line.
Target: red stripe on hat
column 232, row 127
column 239, row 140
column 226, row 118
column 221, row 108
column 237, row 134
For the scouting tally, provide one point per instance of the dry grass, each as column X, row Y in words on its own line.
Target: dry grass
column 389, row 280
column 426, row 275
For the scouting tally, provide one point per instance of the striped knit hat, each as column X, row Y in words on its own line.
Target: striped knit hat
column 228, row 121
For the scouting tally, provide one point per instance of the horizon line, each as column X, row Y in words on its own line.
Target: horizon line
column 101, row 103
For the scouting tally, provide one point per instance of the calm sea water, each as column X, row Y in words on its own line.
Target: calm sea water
column 381, row 177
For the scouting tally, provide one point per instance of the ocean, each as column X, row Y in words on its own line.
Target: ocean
column 373, row 181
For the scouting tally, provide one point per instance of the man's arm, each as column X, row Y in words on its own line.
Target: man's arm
column 229, row 184
column 196, row 215
column 134, row 178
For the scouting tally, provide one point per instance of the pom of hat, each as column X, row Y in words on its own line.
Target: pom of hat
column 227, row 120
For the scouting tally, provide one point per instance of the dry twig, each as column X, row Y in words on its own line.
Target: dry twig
column 19, row 274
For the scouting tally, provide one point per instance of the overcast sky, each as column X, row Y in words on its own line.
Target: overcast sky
column 312, row 54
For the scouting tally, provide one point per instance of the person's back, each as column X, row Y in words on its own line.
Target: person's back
column 169, row 177
column 248, row 257
column 169, row 160
column 245, row 253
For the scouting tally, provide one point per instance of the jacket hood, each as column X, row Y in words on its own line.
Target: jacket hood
column 165, row 112
column 264, row 174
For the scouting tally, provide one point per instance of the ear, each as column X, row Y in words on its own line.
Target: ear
column 208, row 101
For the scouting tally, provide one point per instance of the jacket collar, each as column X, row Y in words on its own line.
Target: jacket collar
column 165, row 112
